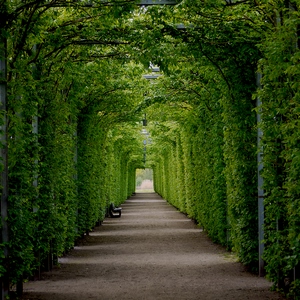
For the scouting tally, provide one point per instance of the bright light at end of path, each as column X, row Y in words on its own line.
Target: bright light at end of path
column 144, row 181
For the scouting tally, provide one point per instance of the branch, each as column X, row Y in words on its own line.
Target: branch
column 208, row 107
column 195, row 92
column 93, row 57
column 221, row 72
column 76, row 21
column 231, row 3
column 95, row 42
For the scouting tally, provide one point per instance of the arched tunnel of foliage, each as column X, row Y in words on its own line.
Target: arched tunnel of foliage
column 72, row 77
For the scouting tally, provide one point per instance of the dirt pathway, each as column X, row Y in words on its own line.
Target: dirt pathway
column 151, row 252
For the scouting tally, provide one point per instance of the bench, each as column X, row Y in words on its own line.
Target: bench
column 114, row 210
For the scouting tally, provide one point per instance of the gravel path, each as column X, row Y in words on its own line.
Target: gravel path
column 151, row 252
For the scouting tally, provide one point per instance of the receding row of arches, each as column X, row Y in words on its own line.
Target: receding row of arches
column 215, row 117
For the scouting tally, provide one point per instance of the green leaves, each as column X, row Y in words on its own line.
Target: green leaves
column 67, row 91
column 78, row 68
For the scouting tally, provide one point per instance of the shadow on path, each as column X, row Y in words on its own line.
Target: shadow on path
column 151, row 252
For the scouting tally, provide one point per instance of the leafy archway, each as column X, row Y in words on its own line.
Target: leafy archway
column 72, row 76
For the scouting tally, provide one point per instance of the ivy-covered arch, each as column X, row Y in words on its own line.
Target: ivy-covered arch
column 76, row 97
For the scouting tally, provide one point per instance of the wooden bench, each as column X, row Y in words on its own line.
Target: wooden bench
column 114, row 212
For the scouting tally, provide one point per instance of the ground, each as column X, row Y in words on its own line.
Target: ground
column 151, row 252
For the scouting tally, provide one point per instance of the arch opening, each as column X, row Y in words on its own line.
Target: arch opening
column 144, row 181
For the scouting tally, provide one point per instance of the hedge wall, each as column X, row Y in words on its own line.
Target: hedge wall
column 76, row 96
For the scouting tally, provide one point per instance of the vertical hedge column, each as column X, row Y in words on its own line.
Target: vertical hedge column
column 241, row 170
column 189, row 173
column 4, row 149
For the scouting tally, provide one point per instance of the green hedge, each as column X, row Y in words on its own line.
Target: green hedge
column 202, row 119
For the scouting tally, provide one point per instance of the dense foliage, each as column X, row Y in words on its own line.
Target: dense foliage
column 207, row 164
column 71, row 150
column 76, row 98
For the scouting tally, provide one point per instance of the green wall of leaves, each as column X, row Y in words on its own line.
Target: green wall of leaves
column 76, row 96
